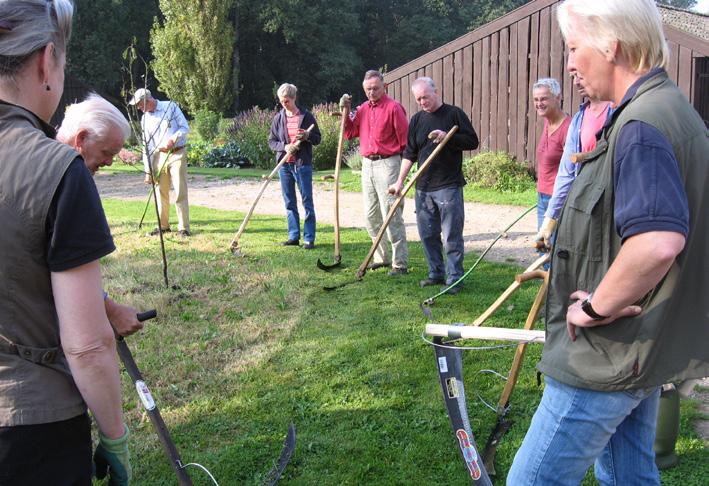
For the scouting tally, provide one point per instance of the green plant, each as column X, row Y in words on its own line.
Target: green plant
column 196, row 150
column 250, row 130
column 227, row 156
column 325, row 153
column 497, row 170
column 353, row 159
column 206, row 123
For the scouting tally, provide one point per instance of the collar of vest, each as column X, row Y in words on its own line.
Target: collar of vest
column 8, row 109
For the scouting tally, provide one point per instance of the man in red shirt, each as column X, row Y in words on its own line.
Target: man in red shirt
column 382, row 127
column 547, row 101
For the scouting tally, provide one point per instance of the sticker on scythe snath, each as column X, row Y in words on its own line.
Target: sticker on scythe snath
column 471, row 457
column 452, row 387
column 145, row 396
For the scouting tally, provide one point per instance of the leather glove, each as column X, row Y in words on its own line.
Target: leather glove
column 345, row 101
column 111, row 458
column 542, row 240
column 302, row 135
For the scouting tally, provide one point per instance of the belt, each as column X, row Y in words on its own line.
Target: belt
column 378, row 156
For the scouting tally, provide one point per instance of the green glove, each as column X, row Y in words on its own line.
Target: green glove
column 345, row 101
column 112, row 458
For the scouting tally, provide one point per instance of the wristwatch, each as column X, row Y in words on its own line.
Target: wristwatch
column 588, row 309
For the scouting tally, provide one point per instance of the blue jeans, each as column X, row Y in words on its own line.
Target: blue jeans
column 542, row 204
column 573, row 427
column 291, row 175
column 442, row 213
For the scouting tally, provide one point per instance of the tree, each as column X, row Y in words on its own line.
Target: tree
column 94, row 54
column 685, row 4
column 192, row 53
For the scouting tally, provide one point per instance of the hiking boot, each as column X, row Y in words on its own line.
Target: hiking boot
column 431, row 281
column 375, row 266
column 308, row 245
column 397, row 272
column 184, row 233
column 156, row 232
column 290, row 242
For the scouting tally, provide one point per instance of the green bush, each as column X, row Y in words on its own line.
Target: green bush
column 196, row 150
column 497, row 170
column 325, row 153
column 206, row 124
column 250, row 130
column 226, row 156
column 224, row 126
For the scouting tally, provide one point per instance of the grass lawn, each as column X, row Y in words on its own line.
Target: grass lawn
column 351, row 181
column 245, row 345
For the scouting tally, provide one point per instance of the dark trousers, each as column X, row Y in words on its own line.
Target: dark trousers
column 442, row 213
column 57, row 454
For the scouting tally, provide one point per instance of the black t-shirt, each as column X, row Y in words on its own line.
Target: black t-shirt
column 446, row 168
column 77, row 231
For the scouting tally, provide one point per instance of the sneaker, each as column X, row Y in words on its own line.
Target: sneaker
column 308, row 245
column 375, row 266
column 397, row 272
column 431, row 281
column 156, row 232
column 184, row 233
column 454, row 290
column 290, row 242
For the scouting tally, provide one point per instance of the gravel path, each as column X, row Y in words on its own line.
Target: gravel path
column 483, row 222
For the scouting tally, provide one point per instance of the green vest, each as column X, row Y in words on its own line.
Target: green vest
column 669, row 340
column 36, row 385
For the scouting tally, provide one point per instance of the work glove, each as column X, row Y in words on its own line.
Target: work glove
column 111, row 458
column 345, row 101
column 542, row 240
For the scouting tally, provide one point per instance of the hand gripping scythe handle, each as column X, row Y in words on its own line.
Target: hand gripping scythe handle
column 234, row 247
column 149, row 405
column 392, row 210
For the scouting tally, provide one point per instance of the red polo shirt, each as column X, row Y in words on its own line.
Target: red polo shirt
column 382, row 127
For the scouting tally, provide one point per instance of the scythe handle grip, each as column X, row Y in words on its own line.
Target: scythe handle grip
column 144, row 316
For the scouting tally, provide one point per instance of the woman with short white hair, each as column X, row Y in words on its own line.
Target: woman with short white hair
column 57, row 349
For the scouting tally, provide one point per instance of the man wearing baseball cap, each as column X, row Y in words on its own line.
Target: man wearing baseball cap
column 164, row 129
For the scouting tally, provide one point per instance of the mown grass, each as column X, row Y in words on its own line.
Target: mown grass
column 245, row 345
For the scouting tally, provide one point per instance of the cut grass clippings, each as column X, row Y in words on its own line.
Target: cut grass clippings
column 242, row 346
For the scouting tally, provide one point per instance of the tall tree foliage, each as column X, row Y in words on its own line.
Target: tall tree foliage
column 94, row 54
column 192, row 52
column 685, row 4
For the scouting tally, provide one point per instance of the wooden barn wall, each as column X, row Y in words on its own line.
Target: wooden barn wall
column 490, row 73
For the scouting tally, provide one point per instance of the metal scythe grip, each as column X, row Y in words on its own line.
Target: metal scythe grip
column 153, row 412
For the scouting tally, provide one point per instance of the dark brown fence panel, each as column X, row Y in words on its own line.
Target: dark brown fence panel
column 503, row 91
column 458, row 73
column 531, row 145
column 467, row 85
column 494, row 75
column 514, row 68
column 447, row 82
column 485, row 94
column 476, row 117
column 523, row 67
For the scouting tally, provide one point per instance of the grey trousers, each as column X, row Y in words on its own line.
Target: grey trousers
column 377, row 176
column 442, row 213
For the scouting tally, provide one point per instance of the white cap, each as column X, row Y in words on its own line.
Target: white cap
column 140, row 95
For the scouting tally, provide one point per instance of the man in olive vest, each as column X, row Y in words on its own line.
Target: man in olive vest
column 627, row 308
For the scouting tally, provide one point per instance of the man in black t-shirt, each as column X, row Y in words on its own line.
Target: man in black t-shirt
column 97, row 130
column 439, row 190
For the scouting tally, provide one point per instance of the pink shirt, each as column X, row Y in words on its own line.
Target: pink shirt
column 590, row 126
column 549, row 151
column 292, row 124
column 382, row 127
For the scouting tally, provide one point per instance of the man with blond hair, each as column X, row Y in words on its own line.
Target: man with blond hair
column 627, row 308
column 97, row 130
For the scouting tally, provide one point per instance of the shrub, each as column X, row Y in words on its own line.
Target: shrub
column 224, row 126
column 250, row 130
column 206, row 124
column 227, row 156
column 325, row 153
column 497, row 170
column 353, row 159
column 196, row 150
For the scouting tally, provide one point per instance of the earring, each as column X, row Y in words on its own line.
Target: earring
column 48, row 88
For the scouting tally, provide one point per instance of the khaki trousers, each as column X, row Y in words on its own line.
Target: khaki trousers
column 377, row 176
column 172, row 168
